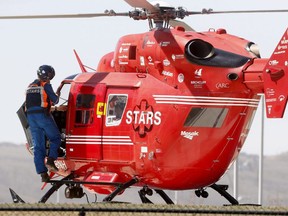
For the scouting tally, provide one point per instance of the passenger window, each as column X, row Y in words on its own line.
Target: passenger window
column 84, row 109
column 115, row 108
column 85, row 101
column 206, row 117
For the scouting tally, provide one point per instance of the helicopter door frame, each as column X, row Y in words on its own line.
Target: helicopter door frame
column 117, row 138
column 85, row 121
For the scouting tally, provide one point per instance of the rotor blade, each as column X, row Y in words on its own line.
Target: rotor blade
column 210, row 11
column 174, row 23
column 63, row 16
column 142, row 4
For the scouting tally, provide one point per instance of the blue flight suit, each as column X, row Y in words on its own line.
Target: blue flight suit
column 41, row 122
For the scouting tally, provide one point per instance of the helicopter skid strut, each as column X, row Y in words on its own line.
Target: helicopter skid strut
column 222, row 190
column 147, row 191
column 120, row 188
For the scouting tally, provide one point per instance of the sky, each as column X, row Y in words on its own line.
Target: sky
column 27, row 44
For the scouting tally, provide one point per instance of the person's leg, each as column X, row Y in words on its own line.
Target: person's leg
column 53, row 134
column 38, row 139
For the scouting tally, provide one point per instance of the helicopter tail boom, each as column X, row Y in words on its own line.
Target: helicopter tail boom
column 275, row 77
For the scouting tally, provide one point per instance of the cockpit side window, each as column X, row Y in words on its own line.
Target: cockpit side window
column 64, row 90
column 206, row 117
column 116, row 105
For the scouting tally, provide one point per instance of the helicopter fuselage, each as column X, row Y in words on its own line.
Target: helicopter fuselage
column 187, row 103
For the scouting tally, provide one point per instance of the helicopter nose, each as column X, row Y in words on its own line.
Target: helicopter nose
column 199, row 49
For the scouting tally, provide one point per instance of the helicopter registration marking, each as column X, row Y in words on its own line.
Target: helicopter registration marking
column 61, row 165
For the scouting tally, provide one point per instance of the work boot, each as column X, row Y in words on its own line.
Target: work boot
column 51, row 165
column 45, row 177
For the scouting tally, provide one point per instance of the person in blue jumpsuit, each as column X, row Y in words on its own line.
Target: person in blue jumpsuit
column 39, row 98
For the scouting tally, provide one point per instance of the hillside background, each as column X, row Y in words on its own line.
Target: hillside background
column 17, row 172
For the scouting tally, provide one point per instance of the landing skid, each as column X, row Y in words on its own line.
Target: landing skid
column 55, row 186
column 15, row 197
column 74, row 190
column 221, row 189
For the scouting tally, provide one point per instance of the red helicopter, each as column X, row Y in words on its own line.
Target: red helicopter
column 169, row 109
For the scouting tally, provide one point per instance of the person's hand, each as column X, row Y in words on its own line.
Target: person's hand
column 58, row 92
column 62, row 108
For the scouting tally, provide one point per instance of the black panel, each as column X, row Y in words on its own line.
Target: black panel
column 220, row 58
